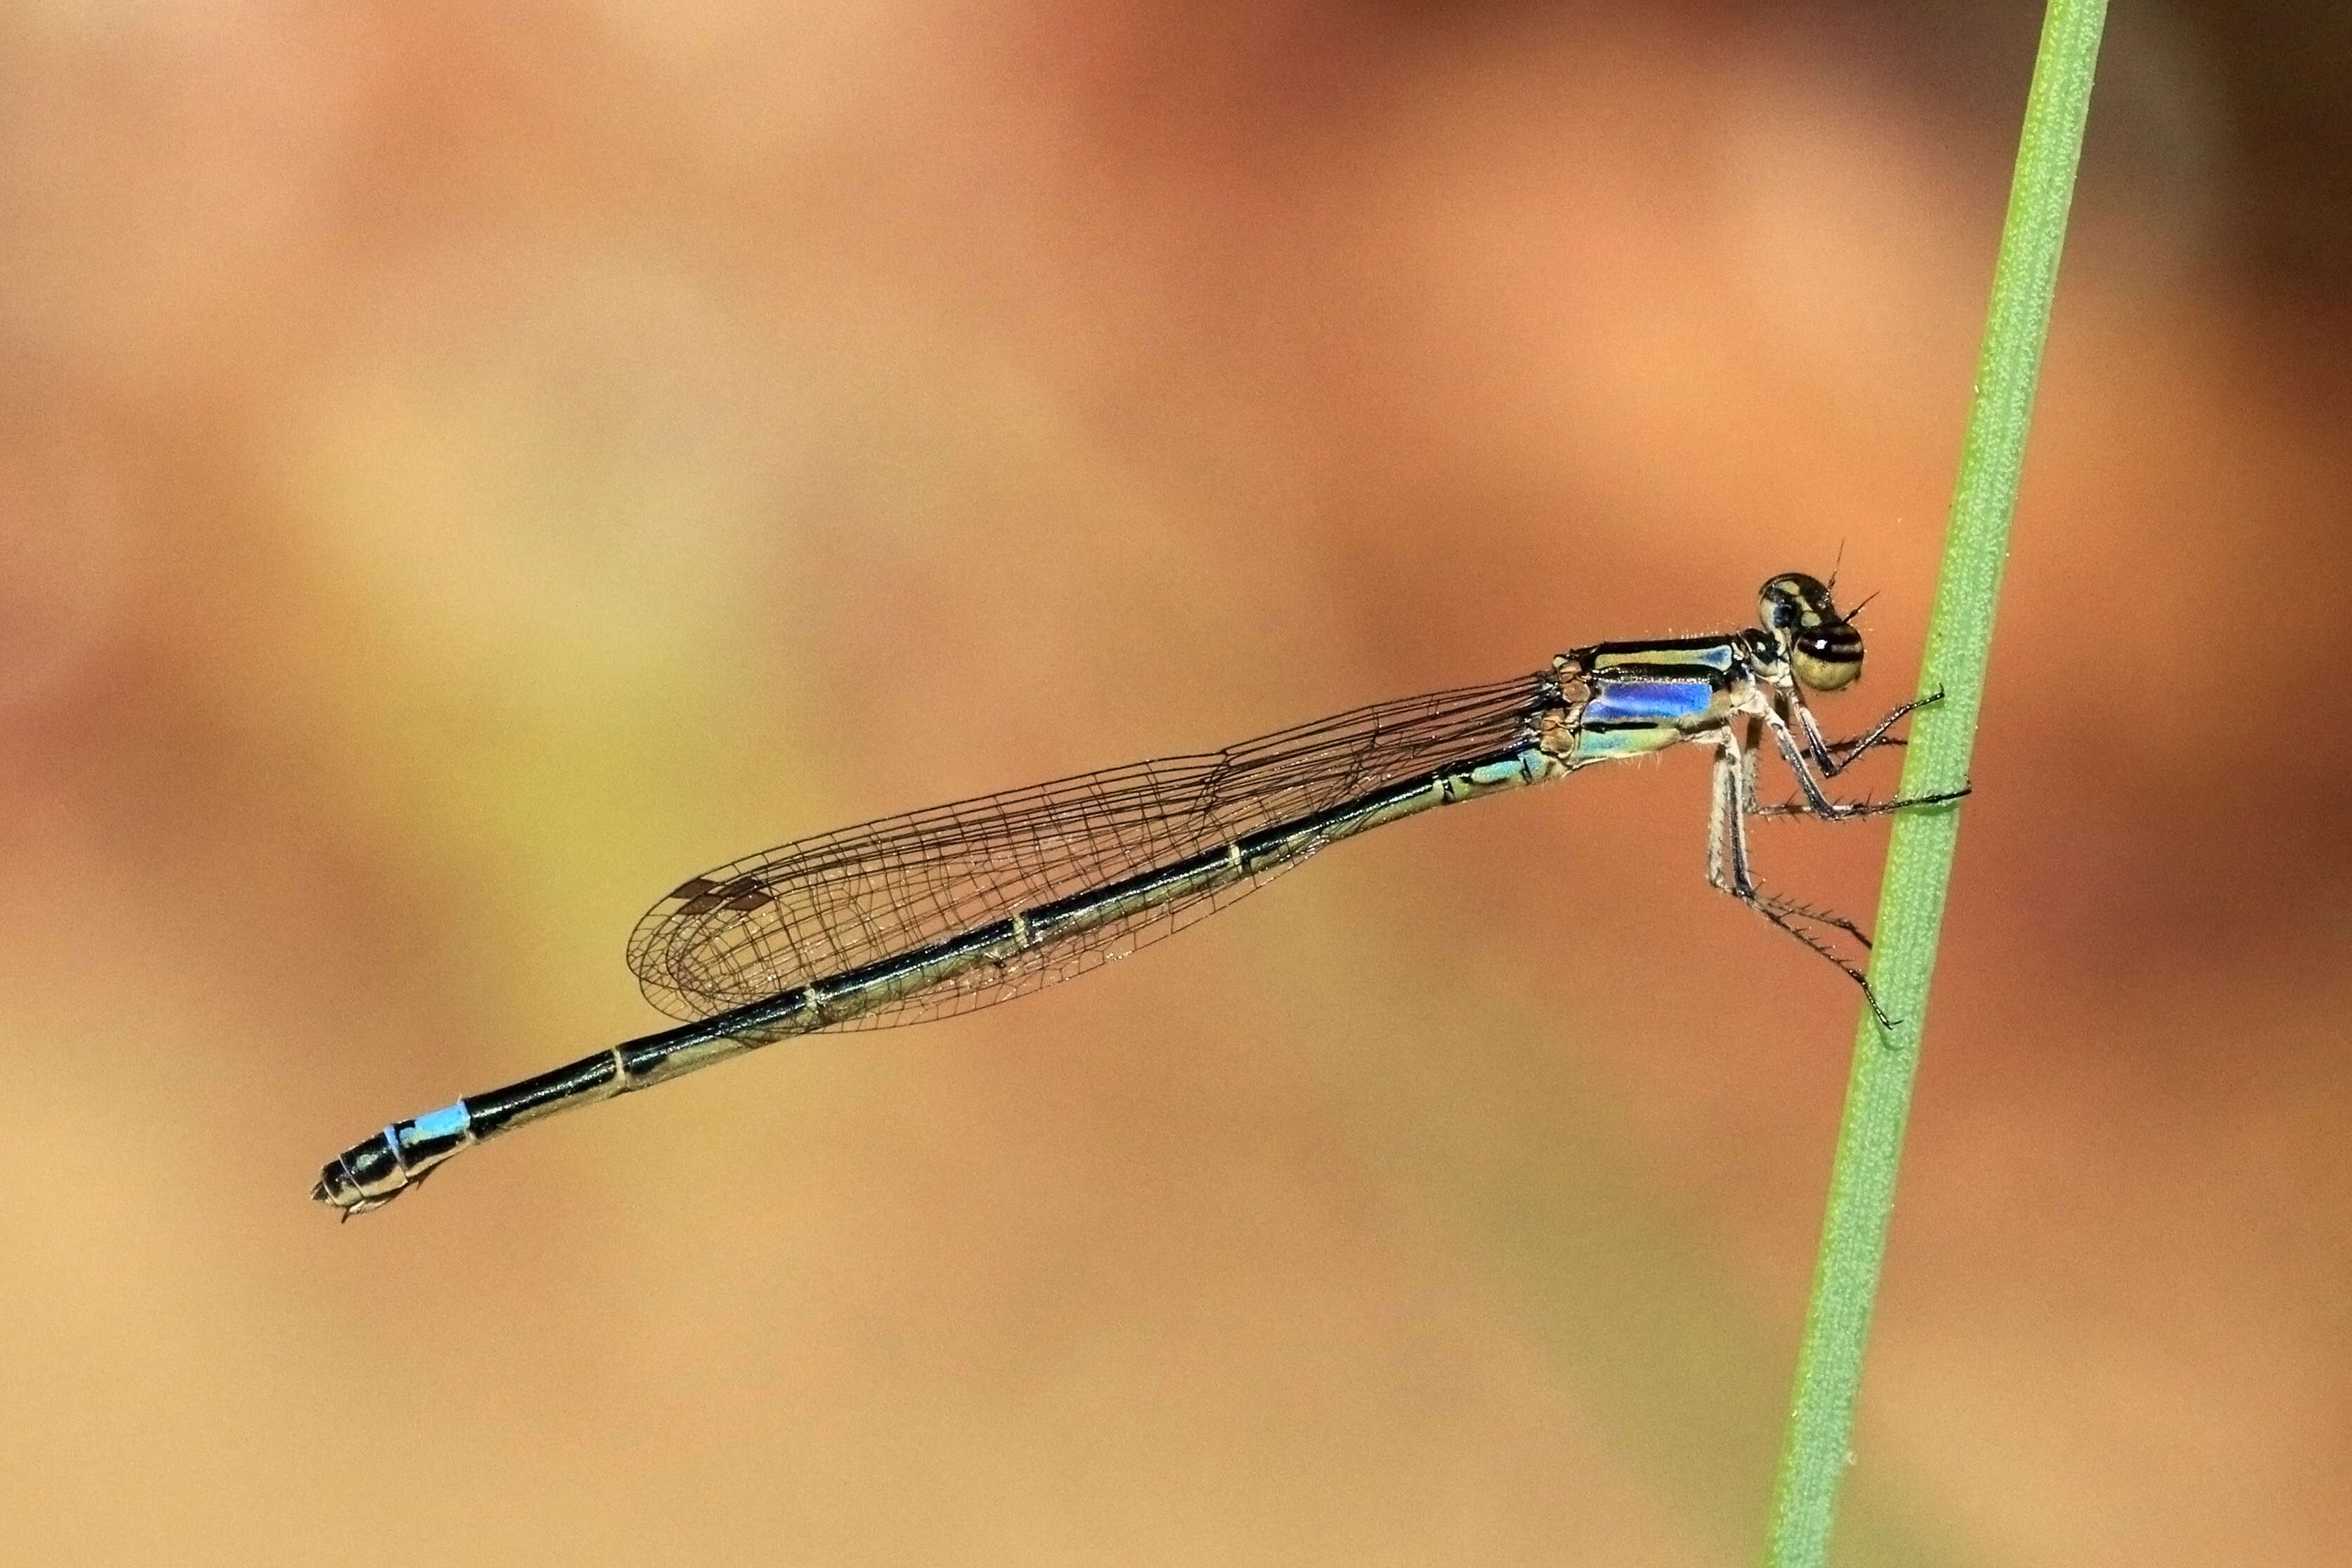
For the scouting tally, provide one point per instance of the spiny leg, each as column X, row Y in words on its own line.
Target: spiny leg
column 1834, row 756
column 1729, row 870
column 1854, row 811
column 1752, row 750
column 1823, row 752
column 1806, row 912
column 1753, row 746
column 1793, row 755
column 1843, row 752
column 1764, row 907
column 1785, row 913
column 1726, row 835
column 1817, row 801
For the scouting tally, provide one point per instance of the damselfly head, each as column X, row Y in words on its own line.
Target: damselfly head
column 1822, row 647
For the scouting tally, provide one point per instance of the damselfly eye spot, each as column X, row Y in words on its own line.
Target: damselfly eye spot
column 1792, row 601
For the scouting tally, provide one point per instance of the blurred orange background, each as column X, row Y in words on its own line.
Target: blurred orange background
column 464, row 470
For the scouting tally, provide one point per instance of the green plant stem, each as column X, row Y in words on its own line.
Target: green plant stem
column 1920, row 857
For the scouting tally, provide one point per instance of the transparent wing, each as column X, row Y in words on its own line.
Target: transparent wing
column 765, row 924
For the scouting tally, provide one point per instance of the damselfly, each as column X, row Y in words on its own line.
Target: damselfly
column 960, row 906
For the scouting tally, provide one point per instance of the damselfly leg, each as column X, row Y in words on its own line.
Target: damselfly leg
column 1811, row 760
column 1834, row 757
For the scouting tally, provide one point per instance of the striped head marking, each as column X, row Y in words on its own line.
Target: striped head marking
column 1822, row 647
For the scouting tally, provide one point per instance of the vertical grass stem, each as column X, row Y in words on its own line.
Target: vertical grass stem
column 1819, row 1441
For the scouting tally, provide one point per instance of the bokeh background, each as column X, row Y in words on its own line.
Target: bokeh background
column 462, row 469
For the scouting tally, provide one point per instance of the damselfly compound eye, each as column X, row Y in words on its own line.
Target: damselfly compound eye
column 1824, row 650
column 1829, row 660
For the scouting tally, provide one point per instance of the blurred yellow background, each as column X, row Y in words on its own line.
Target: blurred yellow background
column 462, row 470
